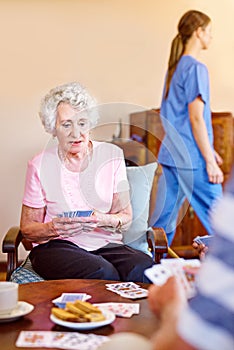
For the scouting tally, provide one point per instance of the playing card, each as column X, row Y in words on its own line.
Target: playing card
column 74, row 341
column 158, row 274
column 116, row 287
column 120, row 309
column 129, row 290
column 60, row 340
column 75, row 213
column 65, row 297
column 36, row 339
column 184, row 270
column 207, row 240
column 189, row 269
column 74, row 296
column 134, row 294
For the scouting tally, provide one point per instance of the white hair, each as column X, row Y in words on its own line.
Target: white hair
column 74, row 94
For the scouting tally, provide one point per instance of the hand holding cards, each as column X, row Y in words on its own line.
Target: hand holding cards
column 71, row 223
column 184, row 270
column 206, row 240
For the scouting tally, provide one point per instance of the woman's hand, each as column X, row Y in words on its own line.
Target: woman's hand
column 214, row 172
column 34, row 229
column 119, row 217
column 68, row 227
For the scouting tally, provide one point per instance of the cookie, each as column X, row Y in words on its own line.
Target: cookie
column 86, row 307
column 66, row 315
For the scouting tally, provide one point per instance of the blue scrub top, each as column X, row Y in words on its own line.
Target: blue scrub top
column 179, row 147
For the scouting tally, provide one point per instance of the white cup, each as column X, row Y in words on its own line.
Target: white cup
column 8, row 297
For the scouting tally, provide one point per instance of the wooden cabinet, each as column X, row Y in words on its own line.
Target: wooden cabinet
column 146, row 128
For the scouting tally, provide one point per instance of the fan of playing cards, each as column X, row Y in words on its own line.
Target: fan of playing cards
column 184, row 270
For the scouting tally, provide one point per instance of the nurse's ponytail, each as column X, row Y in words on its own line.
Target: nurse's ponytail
column 189, row 22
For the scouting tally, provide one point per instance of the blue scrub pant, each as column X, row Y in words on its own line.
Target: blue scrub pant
column 174, row 186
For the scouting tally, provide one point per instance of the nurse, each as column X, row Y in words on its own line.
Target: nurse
column 191, row 166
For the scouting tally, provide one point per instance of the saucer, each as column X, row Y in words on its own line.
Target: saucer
column 21, row 309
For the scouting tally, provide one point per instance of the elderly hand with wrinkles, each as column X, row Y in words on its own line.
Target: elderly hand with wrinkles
column 68, row 227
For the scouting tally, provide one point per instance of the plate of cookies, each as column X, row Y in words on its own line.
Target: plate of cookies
column 81, row 315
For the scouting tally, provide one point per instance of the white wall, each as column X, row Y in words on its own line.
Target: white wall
column 117, row 48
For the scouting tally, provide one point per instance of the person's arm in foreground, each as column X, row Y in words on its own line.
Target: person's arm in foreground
column 167, row 302
column 213, row 160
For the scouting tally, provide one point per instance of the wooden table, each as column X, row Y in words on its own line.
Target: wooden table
column 40, row 294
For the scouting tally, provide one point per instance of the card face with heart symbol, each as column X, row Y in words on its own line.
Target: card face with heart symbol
column 129, row 290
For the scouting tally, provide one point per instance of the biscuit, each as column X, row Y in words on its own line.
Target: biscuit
column 79, row 311
column 95, row 317
column 71, row 307
column 86, row 307
column 65, row 315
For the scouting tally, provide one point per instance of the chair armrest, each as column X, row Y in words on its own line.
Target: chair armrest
column 10, row 245
column 157, row 241
column 12, row 240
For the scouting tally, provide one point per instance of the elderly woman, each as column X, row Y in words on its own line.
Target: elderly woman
column 78, row 177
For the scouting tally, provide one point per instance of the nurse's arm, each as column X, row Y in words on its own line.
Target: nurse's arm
column 196, row 109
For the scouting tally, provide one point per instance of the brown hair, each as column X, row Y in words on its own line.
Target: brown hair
column 188, row 23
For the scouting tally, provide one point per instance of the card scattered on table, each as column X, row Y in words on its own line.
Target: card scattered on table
column 129, row 290
column 60, row 340
column 65, row 297
column 120, row 309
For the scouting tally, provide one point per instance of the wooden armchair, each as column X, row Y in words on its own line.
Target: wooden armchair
column 156, row 239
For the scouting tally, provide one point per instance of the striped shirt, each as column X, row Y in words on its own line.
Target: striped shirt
column 208, row 321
